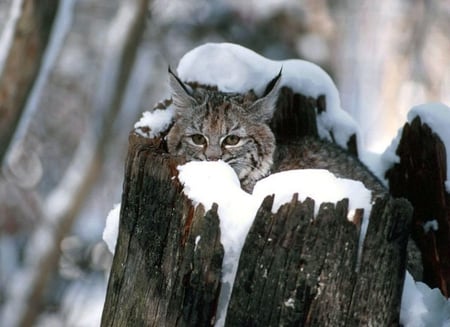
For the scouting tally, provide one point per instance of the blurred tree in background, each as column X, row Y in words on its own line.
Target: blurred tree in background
column 106, row 62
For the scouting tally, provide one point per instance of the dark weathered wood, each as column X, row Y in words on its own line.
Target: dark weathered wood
column 379, row 284
column 166, row 269
column 294, row 271
column 295, row 116
column 420, row 176
column 287, row 264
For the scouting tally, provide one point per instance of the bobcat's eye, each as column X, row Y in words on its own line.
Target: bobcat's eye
column 198, row 139
column 231, row 140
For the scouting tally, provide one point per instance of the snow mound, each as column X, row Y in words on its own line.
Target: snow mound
column 153, row 123
column 422, row 306
column 233, row 68
column 318, row 184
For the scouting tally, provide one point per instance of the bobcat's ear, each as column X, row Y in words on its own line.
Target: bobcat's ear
column 265, row 106
column 181, row 93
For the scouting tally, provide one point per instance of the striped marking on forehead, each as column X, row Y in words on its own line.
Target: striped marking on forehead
column 216, row 118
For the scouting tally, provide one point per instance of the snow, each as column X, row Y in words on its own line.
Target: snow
column 376, row 164
column 422, row 306
column 318, row 184
column 290, row 303
column 431, row 225
column 233, row 68
column 209, row 182
column 437, row 117
column 156, row 121
column 111, row 231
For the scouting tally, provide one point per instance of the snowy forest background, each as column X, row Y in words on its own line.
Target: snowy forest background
column 64, row 168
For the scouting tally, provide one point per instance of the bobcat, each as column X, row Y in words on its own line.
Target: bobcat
column 233, row 127
column 213, row 125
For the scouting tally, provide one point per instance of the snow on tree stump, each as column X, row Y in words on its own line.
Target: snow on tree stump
column 294, row 269
column 420, row 177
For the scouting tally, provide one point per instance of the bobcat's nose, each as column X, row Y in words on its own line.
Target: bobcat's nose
column 213, row 154
column 213, row 157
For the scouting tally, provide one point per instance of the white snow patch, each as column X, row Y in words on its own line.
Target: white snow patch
column 318, row 184
column 156, row 121
column 422, row 306
column 216, row 182
column 290, row 303
column 209, row 182
column 430, row 225
column 233, row 68
column 197, row 239
column 376, row 164
column 111, row 231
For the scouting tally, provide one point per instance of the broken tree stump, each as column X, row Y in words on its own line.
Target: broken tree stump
column 420, row 177
column 293, row 270
column 160, row 275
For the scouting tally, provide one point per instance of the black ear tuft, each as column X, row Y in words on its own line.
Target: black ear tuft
column 272, row 83
column 177, row 79
column 181, row 93
column 264, row 108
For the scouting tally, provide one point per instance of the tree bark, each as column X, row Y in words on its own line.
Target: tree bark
column 420, row 177
column 168, row 260
column 293, row 270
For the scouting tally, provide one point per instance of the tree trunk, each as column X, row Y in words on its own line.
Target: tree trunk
column 294, row 269
column 21, row 66
column 420, row 177
column 166, row 270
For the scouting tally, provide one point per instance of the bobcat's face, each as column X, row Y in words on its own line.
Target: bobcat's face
column 212, row 125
